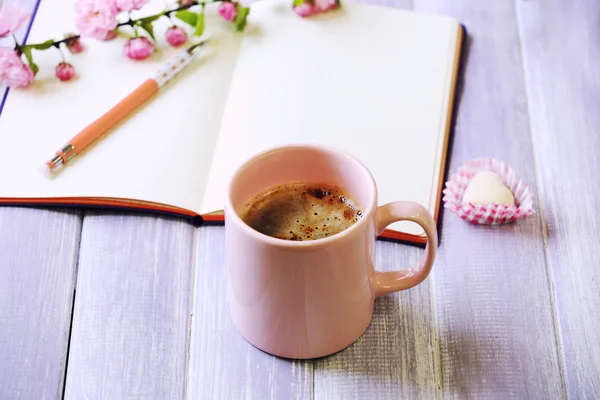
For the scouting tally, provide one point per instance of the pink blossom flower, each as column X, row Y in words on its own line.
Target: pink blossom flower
column 129, row 5
column 65, row 71
column 19, row 76
column 11, row 19
column 74, row 45
column 227, row 10
column 96, row 18
column 176, row 36
column 8, row 57
column 13, row 70
column 138, row 48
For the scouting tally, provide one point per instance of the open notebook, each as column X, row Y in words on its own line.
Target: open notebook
column 374, row 81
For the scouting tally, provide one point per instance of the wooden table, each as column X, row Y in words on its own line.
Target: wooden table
column 100, row 305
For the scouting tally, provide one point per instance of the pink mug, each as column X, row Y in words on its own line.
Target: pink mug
column 309, row 299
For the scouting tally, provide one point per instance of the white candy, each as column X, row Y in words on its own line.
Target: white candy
column 486, row 188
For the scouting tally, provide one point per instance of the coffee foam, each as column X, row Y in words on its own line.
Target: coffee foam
column 301, row 211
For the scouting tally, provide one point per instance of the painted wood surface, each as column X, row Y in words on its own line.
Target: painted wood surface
column 395, row 358
column 508, row 312
column 38, row 259
column 493, row 304
column 222, row 364
column 131, row 317
column 561, row 58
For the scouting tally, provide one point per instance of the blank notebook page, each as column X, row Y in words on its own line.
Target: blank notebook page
column 373, row 81
column 160, row 153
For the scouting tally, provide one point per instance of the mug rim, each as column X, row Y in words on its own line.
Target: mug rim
column 291, row 244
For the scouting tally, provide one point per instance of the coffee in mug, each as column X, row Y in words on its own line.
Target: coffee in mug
column 301, row 211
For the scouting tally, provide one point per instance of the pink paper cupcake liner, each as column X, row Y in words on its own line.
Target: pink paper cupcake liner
column 489, row 214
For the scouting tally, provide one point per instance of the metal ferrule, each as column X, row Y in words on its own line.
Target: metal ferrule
column 63, row 156
column 68, row 152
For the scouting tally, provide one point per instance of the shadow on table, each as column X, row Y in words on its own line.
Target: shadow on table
column 395, row 355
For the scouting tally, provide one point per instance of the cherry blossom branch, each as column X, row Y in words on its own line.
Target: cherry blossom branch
column 144, row 23
column 98, row 19
column 144, row 20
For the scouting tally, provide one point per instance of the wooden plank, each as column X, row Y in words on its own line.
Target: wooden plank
column 222, row 364
column 493, row 301
column 38, row 258
column 131, row 314
column 561, row 57
column 394, row 359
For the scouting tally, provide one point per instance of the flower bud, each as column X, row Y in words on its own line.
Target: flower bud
column 110, row 35
column 227, row 10
column 74, row 45
column 305, row 10
column 65, row 71
column 138, row 48
column 176, row 36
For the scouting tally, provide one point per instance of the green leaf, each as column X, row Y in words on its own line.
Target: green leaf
column 240, row 18
column 188, row 17
column 200, row 23
column 42, row 46
column 151, row 18
column 32, row 65
column 298, row 3
column 147, row 26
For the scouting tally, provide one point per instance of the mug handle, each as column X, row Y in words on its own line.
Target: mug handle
column 394, row 281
